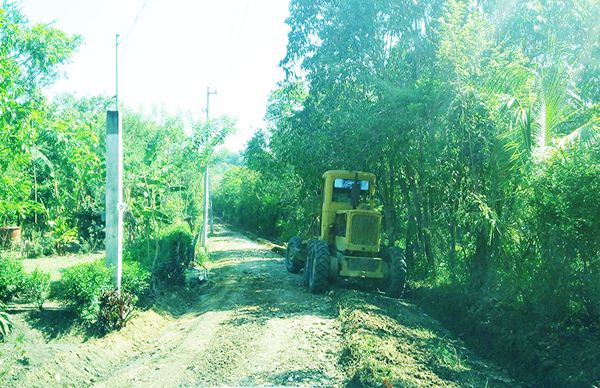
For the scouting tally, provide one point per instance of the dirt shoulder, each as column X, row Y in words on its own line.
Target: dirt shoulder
column 254, row 324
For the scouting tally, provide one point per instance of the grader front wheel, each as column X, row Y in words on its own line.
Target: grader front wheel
column 396, row 280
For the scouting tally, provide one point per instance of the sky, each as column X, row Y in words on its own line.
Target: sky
column 175, row 50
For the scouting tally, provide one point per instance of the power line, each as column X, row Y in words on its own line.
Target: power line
column 117, row 43
column 134, row 22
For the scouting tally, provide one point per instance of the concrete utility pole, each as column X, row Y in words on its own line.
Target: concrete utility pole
column 114, row 195
column 207, row 206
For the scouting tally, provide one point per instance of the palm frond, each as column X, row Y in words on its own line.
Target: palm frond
column 586, row 135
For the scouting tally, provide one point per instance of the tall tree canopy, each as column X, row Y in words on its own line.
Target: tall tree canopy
column 481, row 122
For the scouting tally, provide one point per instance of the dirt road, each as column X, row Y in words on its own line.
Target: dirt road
column 255, row 324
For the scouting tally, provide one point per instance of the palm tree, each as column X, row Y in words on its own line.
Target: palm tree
column 546, row 111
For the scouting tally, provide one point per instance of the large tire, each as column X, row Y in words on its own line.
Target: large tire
column 292, row 263
column 319, row 274
column 308, row 262
column 396, row 281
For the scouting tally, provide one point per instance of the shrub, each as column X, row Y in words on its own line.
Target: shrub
column 37, row 287
column 116, row 309
column 202, row 255
column 82, row 288
column 38, row 245
column 32, row 249
column 268, row 202
column 12, row 278
column 565, row 218
column 135, row 279
column 87, row 289
column 175, row 252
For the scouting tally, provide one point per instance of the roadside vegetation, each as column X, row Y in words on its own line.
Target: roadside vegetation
column 482, row 124
column 52, row 185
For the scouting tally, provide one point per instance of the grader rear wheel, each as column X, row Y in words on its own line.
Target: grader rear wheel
column 292, row 263
column 319, row 272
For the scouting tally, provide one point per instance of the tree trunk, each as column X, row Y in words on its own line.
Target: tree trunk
column 480, row 262
column 452, row 254
column 411, row 224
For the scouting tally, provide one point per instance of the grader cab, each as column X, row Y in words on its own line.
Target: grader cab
column 349, row 245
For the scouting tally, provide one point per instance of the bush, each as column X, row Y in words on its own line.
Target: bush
column 175, row 252
column 37, row 287
column 87, row 289
column 135, row 279
column 63, row 235
column 565, row 218
column 82, row 288
column 116, row 309
column 12, row 278
column 32, row 249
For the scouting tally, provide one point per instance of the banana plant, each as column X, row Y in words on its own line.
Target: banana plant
column 63, row 234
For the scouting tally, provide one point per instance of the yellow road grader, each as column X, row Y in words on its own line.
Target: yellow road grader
column 349, row 245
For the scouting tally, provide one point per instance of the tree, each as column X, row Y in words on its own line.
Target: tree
column 29, row 60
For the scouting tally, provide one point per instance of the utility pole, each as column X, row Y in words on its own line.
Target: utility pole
column 205, row 215
column 114, row 195
column 117, row 72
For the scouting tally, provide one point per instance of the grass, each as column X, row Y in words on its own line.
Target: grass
column 57, row 264
column 389, row 342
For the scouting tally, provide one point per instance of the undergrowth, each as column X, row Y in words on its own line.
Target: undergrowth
column 529, row 345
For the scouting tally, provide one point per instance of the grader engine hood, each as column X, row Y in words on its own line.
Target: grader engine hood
column 358, row 230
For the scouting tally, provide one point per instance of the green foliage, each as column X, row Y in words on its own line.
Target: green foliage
column 31, row 249
column 135, row 279
column 167, row 168
column 88, row 290
column 12, row 278
column 52, row 165
column 37, row 245
column 539, row 352
column 454, row 116
column 6, row 324
column 29, row 59
column 62, row 234
column 167, row 256
column 175, row 255
column 37, row 287
column 263, row 196
column 116, row 309
column 202, row 256
column 82, row 286
column 565, row 218
column 14, row 282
